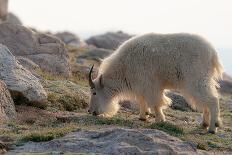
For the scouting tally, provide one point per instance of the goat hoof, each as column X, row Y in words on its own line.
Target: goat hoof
column 212, row 131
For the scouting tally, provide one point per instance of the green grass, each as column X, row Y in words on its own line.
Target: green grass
column 169, row 128
column 114, row 121
column 41, row 137
column 47, row 134
column 66, row 102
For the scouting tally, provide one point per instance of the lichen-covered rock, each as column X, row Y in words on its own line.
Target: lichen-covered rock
column 13, row 19
column 7, row 108
column 114, row 141
column 226, row 84
column 96, row 54
column 71, row 39
column 28, row 64
column 19, row 80
column 108, row 40
column 46, row 51
column 178, row 101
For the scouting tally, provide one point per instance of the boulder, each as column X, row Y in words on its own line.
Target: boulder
column 21, row 82
column 129, row 106
column 226, row 84
column 70, row 39
column 113, row 141
column 7, row 108
column 108, row 40
column 178, row 101
column 45, row 50
column 95, row 54
column 28, row 64
column 13, row 19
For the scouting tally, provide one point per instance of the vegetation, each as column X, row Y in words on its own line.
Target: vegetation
column 168, row 128
column 114, row 121
column 46, row 135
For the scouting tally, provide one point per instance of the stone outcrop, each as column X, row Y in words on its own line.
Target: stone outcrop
column 114, row 141
column 108, row 40
column 45, row 50
column 13, row 19
column 95, row 54
column 178, row 101
column 7, row 108
column 71, row 39
column 19, row 80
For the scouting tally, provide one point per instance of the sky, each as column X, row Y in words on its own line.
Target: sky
column 208, row 18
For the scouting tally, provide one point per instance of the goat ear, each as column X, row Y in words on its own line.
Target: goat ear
column 101, row 81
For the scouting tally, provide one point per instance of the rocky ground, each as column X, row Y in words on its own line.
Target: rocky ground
column 44, row 98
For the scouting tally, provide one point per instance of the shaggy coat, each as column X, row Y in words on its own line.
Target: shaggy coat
column 144, row 66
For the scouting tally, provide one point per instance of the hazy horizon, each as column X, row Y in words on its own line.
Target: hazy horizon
column 210, row 19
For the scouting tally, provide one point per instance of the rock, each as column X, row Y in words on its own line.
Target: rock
column 108, row 40
column 226, row 77
column 19, row 80
column 128, row 105
column 226, row 84
column 70, row 39
column 95, row 54
column 113, row 141
column 7, row 108
column 28, row 64
column 13, row 19
column 45, row 50
column 178, row 101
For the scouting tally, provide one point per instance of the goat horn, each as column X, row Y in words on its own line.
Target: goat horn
column 91, row 84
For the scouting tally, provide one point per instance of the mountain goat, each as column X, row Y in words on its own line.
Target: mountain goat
column 142, row 67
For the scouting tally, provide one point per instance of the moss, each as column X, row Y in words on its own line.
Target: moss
column 168, row 128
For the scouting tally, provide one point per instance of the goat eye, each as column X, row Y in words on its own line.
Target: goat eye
column 94, row 93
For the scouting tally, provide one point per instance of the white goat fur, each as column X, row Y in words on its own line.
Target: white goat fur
column 142, row 67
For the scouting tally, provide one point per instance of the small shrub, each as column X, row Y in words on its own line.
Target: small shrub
column 47, row 134
column 41, row 137
column 72, row 103
column 168, row 128
column 67, row 102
